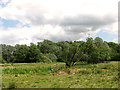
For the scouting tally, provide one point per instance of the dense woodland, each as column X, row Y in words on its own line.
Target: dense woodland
column 91, row 51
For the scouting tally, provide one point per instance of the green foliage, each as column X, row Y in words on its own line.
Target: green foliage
column 7, row 53
column 71, row 52
column 97, row 50
column 45, row 59
column 98, row 42
column 115, row 49
column 51, row 57
column 21, row 53
column 34, row 54
column 48, row 46
column 91, row 51
column 2, row 60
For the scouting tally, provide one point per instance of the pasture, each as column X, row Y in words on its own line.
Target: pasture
column 55, row 75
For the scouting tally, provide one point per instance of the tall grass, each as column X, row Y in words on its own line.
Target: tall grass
column 33, row 70
column 38, row 75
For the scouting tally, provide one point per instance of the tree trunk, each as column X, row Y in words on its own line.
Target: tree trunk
column 77, row 61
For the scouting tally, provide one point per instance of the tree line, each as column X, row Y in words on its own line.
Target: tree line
column 91, row 51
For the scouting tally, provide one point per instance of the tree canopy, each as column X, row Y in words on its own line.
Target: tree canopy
column 70, row 52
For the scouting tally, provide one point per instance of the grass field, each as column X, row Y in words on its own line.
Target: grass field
column 55, row 75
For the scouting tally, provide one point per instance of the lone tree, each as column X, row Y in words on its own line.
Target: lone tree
column 71, row 53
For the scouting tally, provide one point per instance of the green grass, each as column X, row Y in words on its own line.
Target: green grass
column 43, row 75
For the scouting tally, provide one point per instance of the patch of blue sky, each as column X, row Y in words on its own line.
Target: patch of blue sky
column 11, row 23
column 4, row 4
column 106, row 36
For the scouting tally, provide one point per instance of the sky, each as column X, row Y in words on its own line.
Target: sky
column 26, row 21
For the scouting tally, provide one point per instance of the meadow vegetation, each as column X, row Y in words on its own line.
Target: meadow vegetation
column 56, row 75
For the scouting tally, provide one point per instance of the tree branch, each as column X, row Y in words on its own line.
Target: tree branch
column 78, row 60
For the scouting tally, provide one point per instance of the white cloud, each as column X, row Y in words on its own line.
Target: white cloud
column 112, row 29
column 25, row 35
column 58, row 19
column 24, row 10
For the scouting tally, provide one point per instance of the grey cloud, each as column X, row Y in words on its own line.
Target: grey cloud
column 74, row 26
column 59, row 37
column 88, row 20
column 78, row 24
column 82, row 24
column 68, row 37
column 75, row 29
column 35, row 18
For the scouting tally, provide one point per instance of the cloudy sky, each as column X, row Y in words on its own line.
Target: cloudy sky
column 25, row 21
